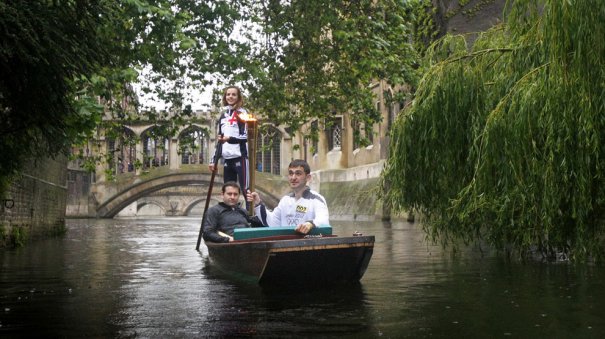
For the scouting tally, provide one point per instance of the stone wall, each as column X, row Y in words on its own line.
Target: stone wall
column 353, row 193
column 78, row 188
column 34, row 205
column 353, row 200
column 468, row 17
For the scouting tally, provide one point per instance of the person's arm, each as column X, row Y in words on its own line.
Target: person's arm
column 267, row 217
column 219, row 147
column 322, row 215
column 274, row 217
column 211, row 227
column 217, row 155
column 242, row 137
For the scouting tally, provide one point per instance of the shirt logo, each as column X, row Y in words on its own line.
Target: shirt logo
column 233, row 119
column 301, row 209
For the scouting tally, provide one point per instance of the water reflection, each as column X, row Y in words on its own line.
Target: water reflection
column 143, row 278
column 293, row 312
column 284, row 311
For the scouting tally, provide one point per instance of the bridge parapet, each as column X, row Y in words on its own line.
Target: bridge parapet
column 113, row 197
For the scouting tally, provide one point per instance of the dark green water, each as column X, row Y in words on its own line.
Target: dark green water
column 144, row 279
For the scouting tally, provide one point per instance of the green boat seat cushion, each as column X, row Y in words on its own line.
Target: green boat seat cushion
column 261, row 232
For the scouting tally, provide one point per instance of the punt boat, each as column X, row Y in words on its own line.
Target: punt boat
column 280, row 256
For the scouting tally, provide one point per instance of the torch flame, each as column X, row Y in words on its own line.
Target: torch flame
column 247, row 117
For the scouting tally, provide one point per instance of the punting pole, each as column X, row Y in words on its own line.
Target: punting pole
column 217, row 155
column 252, row 131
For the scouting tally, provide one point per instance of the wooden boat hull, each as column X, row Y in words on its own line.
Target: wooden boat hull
column 294, row 259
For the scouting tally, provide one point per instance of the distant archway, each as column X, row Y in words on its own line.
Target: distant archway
column 146, row 209
column 121, row 150
column 155, row 147
column 193, row 145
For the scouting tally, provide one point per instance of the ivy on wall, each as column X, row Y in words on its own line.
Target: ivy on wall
column 467, row 9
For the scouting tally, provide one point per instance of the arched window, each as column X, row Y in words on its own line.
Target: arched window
column 268, row 150
column 121, row 152
column 155, row 147
column 193, row 145
column 335, row 134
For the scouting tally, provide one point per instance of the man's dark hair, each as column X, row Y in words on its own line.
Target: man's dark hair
column 300, row 163
column 231, row 184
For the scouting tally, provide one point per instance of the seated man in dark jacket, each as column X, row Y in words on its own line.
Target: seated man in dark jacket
column 224, row 217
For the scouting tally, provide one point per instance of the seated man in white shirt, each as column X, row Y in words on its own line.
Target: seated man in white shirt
column 303, row 208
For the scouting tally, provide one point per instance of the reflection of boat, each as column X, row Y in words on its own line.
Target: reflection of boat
column 278, row 255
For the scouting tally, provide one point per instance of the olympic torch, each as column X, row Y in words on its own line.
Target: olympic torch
column 252, row 130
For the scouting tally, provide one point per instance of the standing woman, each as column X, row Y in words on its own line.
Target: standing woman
column 233, row 134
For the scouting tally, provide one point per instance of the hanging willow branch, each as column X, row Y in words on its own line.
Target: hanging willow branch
column 502, row 143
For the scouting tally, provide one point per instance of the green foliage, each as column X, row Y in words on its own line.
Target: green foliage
column 58, row 58
column 468, row 10
column 188, row 139
column 472, row 12
column 313, row 58
column 109, row 175
column 3, row 234
column 19, row 236
column 425, row 30
column 67, row 66
column 503, row 142
column 45, row 46
column 178, row 43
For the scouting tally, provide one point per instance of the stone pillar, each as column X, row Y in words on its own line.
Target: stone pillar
column 320, row 159
column 287, row 155
column 211, row 149
column 139, row 151
column 102, row 166
column 346, row 146
column 173, row 156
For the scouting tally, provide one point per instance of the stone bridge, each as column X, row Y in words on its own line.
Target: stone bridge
column 112, row 197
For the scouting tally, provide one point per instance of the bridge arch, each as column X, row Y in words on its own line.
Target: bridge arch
column 194, row 203
column 114, row 204
column 151, row 203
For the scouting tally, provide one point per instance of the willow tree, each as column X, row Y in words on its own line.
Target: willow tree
column 503, row 142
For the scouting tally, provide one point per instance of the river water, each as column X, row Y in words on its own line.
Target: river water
column 144, row 279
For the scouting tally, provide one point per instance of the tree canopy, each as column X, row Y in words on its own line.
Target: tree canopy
column 310, row 57
column 58, row 58
column 46, row 49
column 502, row 143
